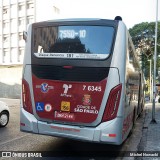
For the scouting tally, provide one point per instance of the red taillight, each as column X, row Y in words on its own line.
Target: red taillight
column 112, row 103
column 27, row 105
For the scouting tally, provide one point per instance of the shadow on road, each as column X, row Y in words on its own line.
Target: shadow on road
column 73, row 148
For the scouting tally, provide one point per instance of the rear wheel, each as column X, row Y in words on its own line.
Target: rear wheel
column 4, row 119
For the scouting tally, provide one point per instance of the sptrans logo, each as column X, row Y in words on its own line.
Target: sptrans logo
column 44, row 87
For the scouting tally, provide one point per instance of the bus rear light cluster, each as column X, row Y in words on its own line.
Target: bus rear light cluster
column 26, row 96
column 112, row 103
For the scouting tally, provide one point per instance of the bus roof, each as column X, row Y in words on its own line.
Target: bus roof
column 75, row 19
column 79, row 20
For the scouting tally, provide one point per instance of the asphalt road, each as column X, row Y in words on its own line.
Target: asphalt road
column 11, row 139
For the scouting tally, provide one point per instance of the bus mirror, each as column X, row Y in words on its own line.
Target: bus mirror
column 25, row 35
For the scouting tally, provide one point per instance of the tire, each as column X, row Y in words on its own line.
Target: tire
column 4, row 119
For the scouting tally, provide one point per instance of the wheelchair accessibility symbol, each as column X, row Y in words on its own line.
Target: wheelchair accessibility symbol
column 39, row 106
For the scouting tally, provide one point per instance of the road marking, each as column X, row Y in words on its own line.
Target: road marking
column 13, row 140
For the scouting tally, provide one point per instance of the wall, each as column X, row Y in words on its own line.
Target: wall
column 10, row 81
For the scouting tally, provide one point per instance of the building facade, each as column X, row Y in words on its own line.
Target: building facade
column 15, row 15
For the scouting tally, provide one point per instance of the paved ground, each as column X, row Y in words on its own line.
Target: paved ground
column 11, row 102
column 150, row 141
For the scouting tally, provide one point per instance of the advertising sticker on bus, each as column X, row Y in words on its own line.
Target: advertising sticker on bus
column 65, row 106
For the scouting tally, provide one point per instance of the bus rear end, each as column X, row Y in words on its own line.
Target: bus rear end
column 70, row 86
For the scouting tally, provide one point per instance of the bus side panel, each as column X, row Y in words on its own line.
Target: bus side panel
column 119, row 62
column 111, row 131
column 28, row 123
column 27, row 55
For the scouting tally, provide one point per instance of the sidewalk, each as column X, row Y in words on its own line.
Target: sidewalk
column 150, row 140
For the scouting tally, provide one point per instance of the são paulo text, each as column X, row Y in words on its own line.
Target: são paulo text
column 91, row 111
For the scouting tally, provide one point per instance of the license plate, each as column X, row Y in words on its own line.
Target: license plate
column 64, row 115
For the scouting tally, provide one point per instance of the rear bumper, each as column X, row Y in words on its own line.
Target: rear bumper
column 98, row 134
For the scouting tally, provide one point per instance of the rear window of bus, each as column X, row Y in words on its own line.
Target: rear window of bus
column 81, row 41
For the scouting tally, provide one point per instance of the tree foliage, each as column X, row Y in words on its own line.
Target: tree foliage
column 145, row 32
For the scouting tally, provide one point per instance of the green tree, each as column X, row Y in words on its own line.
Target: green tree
column 143, row 38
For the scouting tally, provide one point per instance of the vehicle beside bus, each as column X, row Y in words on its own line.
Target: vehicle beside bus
column 4, row 114
column 81, row 80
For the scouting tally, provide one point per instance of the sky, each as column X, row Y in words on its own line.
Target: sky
column 132, row 11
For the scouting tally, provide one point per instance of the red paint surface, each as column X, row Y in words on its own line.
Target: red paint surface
column 74, row 98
